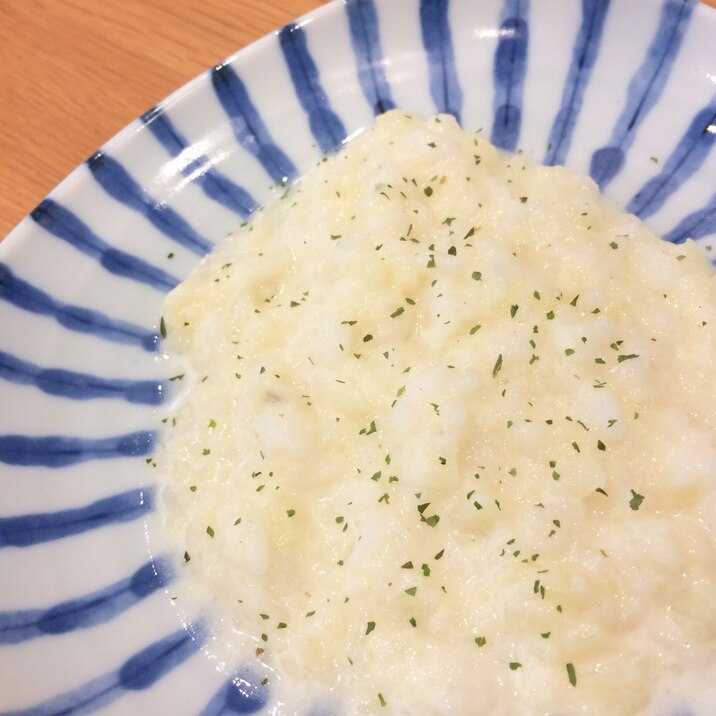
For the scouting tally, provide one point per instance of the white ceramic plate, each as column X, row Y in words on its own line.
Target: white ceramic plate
column 624, row 90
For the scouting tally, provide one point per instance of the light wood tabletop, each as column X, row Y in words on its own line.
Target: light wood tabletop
column 75, row 72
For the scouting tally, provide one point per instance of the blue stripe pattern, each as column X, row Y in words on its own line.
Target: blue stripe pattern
column 139, row 672
column 213, row 183
column 584, row 56
column 120, row 185
column 58, row 451
column 39, row 527
column 696, row 225
column 325, row 124
column 688, row 156
column 88, row 611
column 79, row 386
column 644, row 89
column 365, row 39
column 62, row 223
column 509, row 69
column 437, row 39
column 23, row 295
column 242, row 695
column 248, row 126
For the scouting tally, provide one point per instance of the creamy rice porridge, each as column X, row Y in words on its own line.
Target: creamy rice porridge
column 446, row 440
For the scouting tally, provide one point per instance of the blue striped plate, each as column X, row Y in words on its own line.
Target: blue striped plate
column 624, row 90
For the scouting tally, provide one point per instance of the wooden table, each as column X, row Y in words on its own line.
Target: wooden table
column 74, row 72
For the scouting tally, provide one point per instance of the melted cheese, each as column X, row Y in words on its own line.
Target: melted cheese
column 447, row 441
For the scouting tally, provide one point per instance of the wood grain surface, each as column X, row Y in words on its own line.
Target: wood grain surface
column 75, row 72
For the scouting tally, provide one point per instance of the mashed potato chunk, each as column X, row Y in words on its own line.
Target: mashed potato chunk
column 446, row 443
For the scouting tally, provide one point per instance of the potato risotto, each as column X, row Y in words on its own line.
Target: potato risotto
column 446, row 441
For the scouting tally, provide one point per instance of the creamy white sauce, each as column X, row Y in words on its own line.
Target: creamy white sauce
column 447, row 441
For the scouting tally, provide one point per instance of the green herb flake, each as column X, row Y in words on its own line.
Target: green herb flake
column 545, row 634
column 367, row 337
column 397, row 312
column 413, row 622
column 369, row 628
column 212, row 423
column 571, row 674
column 426, row 570
column 601, row 446
column 186, row 556
column 480, row 641
column 382, row 700
column 498, row 366
column 513, row 310
column 550, row 315
column 475, row 329
column 477, row 275
column 411, row 591
column 369, row 430
column 622, row 358
column 636, row 500
column 428, row 191
column 162, row 327
column 514, row 665
column 569, row 351
column 439, row 555
column 406, row 565
column 210, row 531
column 291, row 512
column 614, row 244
